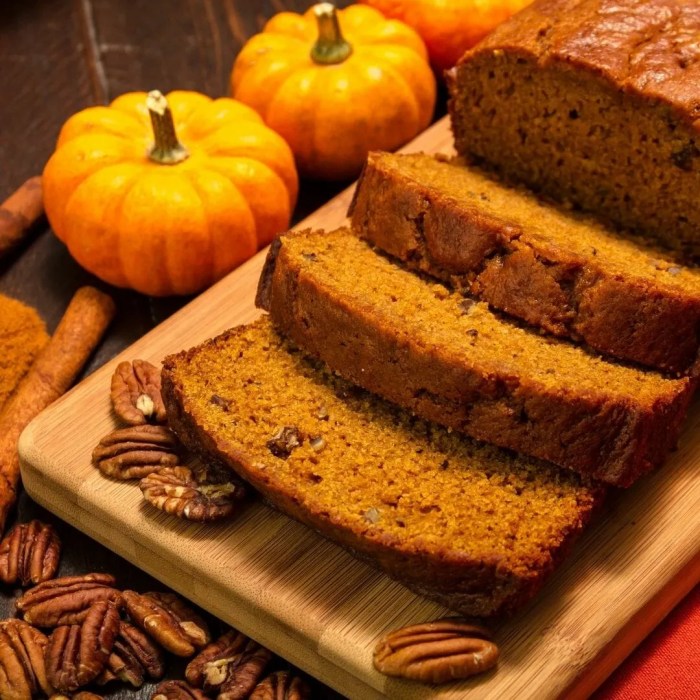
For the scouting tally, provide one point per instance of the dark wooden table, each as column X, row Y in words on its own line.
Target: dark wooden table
column 57, row 57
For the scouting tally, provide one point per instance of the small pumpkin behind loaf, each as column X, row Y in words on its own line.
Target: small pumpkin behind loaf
column 449, row 27
column 337, row 84
column 165, row 196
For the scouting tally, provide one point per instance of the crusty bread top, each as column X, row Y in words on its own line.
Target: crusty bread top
column 645, row 47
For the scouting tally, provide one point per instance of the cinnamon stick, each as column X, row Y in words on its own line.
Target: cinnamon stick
column 19, row 212
column 78, row 333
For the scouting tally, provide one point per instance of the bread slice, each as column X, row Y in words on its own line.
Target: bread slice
column 555, row 269
column 473, row 527
column 452, row 360
column 596, row 102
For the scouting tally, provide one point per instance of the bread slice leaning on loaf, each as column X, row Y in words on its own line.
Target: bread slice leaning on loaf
column 596, row 102
column 473, row 527
column 555, row 269
column 452, row 360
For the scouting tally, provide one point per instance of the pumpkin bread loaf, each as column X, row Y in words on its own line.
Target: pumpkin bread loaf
column 471, row 526
column 452, row 360
column 596, row 102
column 555, row 269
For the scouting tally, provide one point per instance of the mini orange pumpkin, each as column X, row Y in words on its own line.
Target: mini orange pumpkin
column 139, row 209
column 337, row 84
column 449, row 27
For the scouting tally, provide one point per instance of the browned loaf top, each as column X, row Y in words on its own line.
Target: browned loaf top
column 473, row 527
column 553, row 268
column 593, row 101
column 452, row 360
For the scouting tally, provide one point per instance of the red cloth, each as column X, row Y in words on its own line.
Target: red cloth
column 666, row 665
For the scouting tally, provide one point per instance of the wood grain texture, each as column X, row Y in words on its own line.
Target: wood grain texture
column 318, row 607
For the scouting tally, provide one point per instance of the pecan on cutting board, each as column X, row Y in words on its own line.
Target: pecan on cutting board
column 136, row 452
column 135, row 393
column 436, row 652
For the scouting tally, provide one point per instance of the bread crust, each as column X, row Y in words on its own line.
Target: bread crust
column 593, row 102
column 502, row 261
column 610, row 438
column 483, row 588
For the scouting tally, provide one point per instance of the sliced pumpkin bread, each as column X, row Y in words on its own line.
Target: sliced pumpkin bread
column 555, row 269
column 452, row 360
column 474, row 527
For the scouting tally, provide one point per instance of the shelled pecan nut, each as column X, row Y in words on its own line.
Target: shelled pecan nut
column 136, row 395
column 176, row 491
column 168, row 620
column 226, row 646
column 22, row 669
column 29, row 553
column 67, row 600
column 436, row 652
column 137, row 451
column 177, row 690
column 82, row 695
column 281, row 685
column 76, row 654
column 134, row 656
column 235, row 677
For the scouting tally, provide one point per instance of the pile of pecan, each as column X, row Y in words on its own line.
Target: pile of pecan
column 78, row 631
column 146, row 449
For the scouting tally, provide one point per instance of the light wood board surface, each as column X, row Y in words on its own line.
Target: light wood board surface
column 314, row 604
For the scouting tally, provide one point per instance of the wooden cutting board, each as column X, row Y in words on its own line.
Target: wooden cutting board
column 310, row 601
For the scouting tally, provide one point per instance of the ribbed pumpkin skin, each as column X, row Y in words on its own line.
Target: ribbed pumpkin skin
column 379, row 98
column 449, row 27
column 168, row 229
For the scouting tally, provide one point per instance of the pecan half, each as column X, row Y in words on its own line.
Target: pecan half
column 22, row 670
column 436, row 652
column 135, row 452
column 177, row 690
column 134, row 656
column 281, row 685
column 136, row 396
column 29, row 553
column 82, row 695
column 67, row 600
column 168, row 620
column 230, row 643
column 175, row 491
column 76, row 654
column 234, row 677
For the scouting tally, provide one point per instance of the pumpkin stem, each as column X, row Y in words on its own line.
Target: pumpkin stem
column 330, row 47
column 166, row 149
